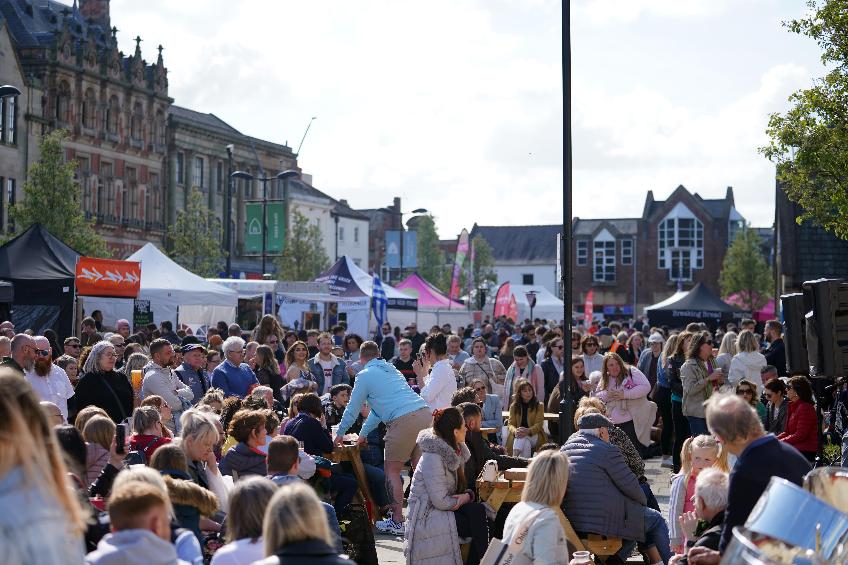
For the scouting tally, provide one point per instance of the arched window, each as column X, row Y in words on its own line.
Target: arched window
column 681, row 244
column 112, row 112
column 137, row 121
column 89, row 110
column 63, row 103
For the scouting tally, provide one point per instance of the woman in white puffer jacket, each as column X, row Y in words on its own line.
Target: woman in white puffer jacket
column 748, row 363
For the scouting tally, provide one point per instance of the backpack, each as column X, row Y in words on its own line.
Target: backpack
column 357, row 535
column 138, row 456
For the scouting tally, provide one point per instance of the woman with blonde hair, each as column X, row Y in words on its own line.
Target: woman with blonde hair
column 295, row 529
column 249, row 500
column 537, row 515
column 748, row 363
column 621, row 387
column 86, row 414
column 48, row 522
column 98, row 434
column 164, row 410
column 726, row 351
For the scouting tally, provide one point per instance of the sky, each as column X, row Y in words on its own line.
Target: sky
column 456, row 106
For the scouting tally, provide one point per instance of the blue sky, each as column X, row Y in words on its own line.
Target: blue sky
column 456, row 106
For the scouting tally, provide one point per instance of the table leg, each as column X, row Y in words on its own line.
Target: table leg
column 362, row 479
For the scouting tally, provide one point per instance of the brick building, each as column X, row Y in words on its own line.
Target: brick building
column 679, row 241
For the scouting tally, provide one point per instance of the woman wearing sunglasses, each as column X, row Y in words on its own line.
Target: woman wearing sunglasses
column 748, row 390
column 775, row 393
column 801, row 422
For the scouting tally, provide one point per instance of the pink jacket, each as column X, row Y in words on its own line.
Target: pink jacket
column 634, row 386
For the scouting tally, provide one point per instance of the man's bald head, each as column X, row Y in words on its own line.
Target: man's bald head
column 23, row 351
column 5, row 346
column 20, row 342
column 732, row 419
column 41, row 342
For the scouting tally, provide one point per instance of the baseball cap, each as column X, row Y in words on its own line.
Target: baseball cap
column 656, row 338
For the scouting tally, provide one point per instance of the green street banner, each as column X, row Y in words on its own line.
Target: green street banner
column 253, row 228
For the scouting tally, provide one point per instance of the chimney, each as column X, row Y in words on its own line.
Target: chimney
column 97, row 11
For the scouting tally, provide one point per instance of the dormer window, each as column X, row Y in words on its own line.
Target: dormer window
column 603, row 254
column 681, row 244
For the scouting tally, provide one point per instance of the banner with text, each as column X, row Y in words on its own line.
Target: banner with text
column 253, row 228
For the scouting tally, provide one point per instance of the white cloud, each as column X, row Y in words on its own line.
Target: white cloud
column 601, row 12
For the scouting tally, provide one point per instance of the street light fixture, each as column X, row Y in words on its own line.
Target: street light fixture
column 264, row 180
column 402, row 214
column 531, row 300
column 8, row 90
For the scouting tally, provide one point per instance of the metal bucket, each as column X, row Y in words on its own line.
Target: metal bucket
column 749, row 548
column 788, row 513
column 829, row 484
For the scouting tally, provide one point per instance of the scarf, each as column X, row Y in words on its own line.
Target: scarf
column 510, row 378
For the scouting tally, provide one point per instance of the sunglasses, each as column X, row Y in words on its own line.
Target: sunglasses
column 479, row 388
column 43, row 352
column 559, row 346
column 74, row 345
column 744, row 391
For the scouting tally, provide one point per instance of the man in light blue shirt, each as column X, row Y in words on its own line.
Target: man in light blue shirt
column 405, row 414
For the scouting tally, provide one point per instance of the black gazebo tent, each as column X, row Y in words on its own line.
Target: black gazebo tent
column 42, row 270
column 699, row 305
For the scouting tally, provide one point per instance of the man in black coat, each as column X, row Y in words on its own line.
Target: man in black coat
column 760, row 457
column 776, row 351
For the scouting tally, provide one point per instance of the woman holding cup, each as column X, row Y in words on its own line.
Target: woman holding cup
column 701, row 376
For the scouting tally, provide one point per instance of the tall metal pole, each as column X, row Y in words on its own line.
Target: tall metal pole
column 228, row 213
column 264, row 222
column 566, row 404
column 400, row 215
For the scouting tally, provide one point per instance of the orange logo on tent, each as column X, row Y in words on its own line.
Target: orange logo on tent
column 108, row 277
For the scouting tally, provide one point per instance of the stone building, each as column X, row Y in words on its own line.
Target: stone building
column 114, row 107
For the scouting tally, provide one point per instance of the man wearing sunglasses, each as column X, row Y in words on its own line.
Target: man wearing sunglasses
column 72, row 347
column 48, row 380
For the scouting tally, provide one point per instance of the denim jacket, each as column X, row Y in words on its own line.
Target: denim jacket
column 339, row 373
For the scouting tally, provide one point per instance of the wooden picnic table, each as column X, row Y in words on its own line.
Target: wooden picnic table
column 549, row 416
column 486, row 431
column 350, row 453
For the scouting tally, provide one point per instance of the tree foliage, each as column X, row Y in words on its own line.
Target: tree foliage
column 52, row 197
column 483, row 270
column 746, row 272
column 303, row 256
column 195, row 238
column 431, row 258
column 809, row 143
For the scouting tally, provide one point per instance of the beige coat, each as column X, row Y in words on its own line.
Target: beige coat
column 490, row 371
column 431, row 537
column 696, row 388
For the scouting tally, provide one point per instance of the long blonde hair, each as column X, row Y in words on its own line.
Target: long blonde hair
column 700, row 442
column 728, row 344
column 27, row 440
column 294, row 514
column 611, row 356
column 547, row 478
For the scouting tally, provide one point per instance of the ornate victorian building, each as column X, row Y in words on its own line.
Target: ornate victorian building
column 114, row 106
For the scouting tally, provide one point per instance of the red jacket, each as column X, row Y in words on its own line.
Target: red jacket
column 801, row 431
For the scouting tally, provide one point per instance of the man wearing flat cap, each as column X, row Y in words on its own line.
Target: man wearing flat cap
column 604, row 496
column 192, row 371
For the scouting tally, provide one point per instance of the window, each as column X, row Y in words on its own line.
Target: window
column 105, row 200
column 527, row 278
column 154, row 206
column 159, row 128
column 356, row 234
column 132, row 188
column 681, row 244
column 136, row 124
column 219, row 176
column 604, row 257
column 197, row 177
column 10, row 131
column 626, row 251
column 582, row 253
column 341, row 233
column 112, row 112
column 63, row 103
column 10, row 199
column 179, row 168
column 89, row 110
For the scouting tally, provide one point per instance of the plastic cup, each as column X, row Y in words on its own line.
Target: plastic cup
column 136, row 377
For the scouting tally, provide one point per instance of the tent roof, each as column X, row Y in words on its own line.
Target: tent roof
column 164, row 280
column 699, row 298
column 347, row 279
column 670, row 300
column 548, row 306
column 428, row 295
column 37, row 254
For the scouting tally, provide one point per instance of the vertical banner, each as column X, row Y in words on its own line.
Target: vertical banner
column 512, row 311
column 471, row 275
column 392, row 249
column 461, row 252
column 276, row 227
column 588, row 308
column 410, row 249
column 253, row 228
column 502, row 301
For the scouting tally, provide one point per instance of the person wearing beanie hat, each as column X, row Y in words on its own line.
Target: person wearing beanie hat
column 599, row 472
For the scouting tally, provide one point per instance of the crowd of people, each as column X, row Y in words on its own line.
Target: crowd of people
column 159, row 446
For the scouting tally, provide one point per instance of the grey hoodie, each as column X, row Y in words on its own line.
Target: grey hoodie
column 134, row 547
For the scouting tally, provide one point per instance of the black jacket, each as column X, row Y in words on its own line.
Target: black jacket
column 480, row 453
column 269, row 378
column 751, row 475
column 315, row 437
column 110, row 391
column 309, row 552
column 551, row 377
column 776, row 355
column 711, row 537
column 673, row 372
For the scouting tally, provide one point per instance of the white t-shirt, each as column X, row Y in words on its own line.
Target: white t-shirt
column 327, row 367
column 439, row 385
column 240, row 552
column 55, row 387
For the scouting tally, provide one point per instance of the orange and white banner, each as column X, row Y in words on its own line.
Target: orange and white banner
column 108, row 277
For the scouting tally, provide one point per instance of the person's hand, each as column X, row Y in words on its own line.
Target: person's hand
column 688, row 523
column 675, row 559
column 461, row 499
column 361, row 440
column 614, row 395
column 418, row 369
column 704, row 556
column 586, row 386
column 211, row 462
column 116, row 459
column 521, row 432
column 338, row 440
column 716, row 377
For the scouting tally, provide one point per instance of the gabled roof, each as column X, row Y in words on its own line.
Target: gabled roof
column 343, row 209
column 199, row 118
column 520, row 243
column 623, row 226
column 716, row 208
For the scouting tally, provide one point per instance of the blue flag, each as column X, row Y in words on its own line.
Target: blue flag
column 379, row 303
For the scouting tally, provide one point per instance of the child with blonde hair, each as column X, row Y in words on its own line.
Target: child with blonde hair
column 698, row 453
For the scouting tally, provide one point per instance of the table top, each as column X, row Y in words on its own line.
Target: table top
column 548, row 415
column 488, row 430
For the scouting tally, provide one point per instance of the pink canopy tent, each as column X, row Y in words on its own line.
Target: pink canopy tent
column 428, row 295
column 763, row 314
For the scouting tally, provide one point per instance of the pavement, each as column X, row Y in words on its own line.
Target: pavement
column 390, row 548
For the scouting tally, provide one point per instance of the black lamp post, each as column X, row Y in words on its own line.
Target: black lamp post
column 402, row 214
column 264, row 180
column 228, row 213
column 531, row 300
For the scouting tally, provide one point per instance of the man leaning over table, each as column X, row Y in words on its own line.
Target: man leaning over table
column 405, row 414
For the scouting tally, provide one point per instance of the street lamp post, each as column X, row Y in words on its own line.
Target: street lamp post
column 228, row 212
column 531, row 300
column 264, row 180
column 402, row 214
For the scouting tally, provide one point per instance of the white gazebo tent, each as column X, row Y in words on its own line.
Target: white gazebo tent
column 548, row 306
column 174, row 293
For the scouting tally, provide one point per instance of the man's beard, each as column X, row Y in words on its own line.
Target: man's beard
column 42, row 366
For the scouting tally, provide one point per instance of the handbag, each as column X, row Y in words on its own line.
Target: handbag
column 499, row 553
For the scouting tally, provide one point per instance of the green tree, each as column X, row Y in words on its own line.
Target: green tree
column 52, row 198
column 745, row 271
column 195, row 238
column 809, row 143
column 431, row 258
column 303, row 256
column 483, row 270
